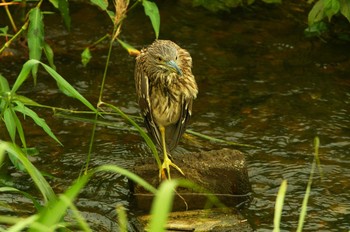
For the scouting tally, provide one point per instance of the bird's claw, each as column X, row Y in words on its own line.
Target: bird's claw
column 166, row 166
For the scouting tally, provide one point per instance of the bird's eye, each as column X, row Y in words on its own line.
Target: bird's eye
column 176, row 58
column 159, row 58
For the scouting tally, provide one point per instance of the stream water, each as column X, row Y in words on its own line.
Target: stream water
column 261, row 82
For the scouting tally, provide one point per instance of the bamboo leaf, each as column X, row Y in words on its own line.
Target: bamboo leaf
column 151, row 10
column 10, row 123
column 49, row 55
column 63, row 7
column 23, row 75
column 39, row 121
column 130, row 49
column 35, row 37
column 103, row 4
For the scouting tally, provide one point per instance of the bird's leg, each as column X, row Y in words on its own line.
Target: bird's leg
column 166, row 161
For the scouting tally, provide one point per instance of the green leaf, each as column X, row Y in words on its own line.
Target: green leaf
column 10, row 123
column 317, row 13
column 35, row 37
column 27, row 195
column 49, row 55
column 23, row 75
column 331, row 8
column 131, row 50
column 4, row 85
column 3, row 31
column 63, row 6
column 39, row 121
column 86, row 56
column 279, row 206
column 103, row 4
column 151, row 10
column 54, row 3
column 36, row 176
column 161, row 205
column 345, row 8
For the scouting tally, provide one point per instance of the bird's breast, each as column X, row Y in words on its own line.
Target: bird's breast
column 166, row 107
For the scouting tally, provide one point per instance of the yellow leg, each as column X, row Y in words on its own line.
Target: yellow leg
column 166, row 161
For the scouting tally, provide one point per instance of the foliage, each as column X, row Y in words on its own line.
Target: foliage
column 325, row 10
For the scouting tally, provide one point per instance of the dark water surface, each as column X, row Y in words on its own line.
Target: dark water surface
column 261, row 83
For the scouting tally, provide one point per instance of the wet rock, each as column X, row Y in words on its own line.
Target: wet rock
column 218, row 220
column 222, row 172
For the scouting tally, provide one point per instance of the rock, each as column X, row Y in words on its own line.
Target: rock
column 222, row 172
column 218, row 220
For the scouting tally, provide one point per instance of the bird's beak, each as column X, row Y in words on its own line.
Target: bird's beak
column 173, row 65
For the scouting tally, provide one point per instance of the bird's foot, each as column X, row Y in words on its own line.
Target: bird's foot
column 164, row 172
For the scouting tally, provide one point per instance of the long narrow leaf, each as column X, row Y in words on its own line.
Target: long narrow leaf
column 55, row 211
column 10, row 123
column 151, row 10
column 279, row 206
column 36, row 176
column 144, row 135
column 27, row 195
column 49, row 55
column 39, row 121
column 63, row 6
column 162, row 205
column 35, row 37
column 23, row 75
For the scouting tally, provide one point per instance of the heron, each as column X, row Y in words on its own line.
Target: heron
column 165, row 89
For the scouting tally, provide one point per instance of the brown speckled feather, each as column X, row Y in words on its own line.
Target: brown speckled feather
column 165, row 94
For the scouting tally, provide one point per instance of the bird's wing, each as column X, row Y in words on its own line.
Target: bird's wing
column 174, row 132
column 143, row 93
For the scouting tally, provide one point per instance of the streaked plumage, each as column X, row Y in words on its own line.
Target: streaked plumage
column 165, row 88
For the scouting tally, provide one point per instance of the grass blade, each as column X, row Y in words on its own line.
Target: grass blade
column 279, row 206
column 35, row 37
column 162, row 205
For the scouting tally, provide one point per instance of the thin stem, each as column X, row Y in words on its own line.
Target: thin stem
column 10, row 16
column 7, row 44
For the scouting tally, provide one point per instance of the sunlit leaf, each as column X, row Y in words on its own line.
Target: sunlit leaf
column 331, row 8
column 39, row 121
column 130, row 49
column 10, row 123
column 279, row 206
column 54, row 3
column 86, row 56
column 316, row 14
column 162, row 205
column 49, row 55
column 345, row 8
column 35, row 37
column 103, row 4
column 63, row 6
column 151, row 10
column 23, row 75
column 4, row 85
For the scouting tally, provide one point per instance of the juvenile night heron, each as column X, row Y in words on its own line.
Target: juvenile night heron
column 165, row 88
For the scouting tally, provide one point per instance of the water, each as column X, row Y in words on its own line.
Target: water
column 261, row 83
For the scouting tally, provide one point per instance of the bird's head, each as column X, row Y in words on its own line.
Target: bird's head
column 164, row 57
